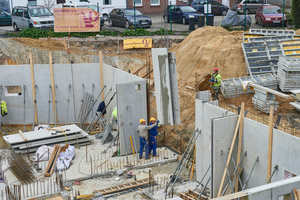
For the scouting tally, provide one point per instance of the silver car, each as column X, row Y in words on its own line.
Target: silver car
column 36, row 17
column 251, row 6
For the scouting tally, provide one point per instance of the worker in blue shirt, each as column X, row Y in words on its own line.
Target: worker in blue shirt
column 152, row 137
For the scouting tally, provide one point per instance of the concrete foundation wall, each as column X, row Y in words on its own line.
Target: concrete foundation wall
column 81, row 77
column 255, row 142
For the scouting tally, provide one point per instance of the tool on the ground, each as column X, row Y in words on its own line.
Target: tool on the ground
column 126, row 186
column 132, row 134
column 183, row 159
column 92, row 106
column 22, row 135
column 103, row 163
column 129, row 174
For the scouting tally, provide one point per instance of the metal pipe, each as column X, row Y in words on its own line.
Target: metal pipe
column 275, row 169
column 68, row 100
column 185, row 160
column 55, row 106
column 251, row 84
column 204, row 188
column 227, row 171
column 49, row 105
column 24, row 88
column 184, row 153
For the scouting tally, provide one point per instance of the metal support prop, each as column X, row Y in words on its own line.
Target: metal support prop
column 111, row 143
column 99, row 115
column 243, row 188
column 236, row 169
column 34, row 105
column 68, row 101
column 203, row 188
column 193, row 144
column 55, row 106
column 275, row 169
column 49, row 105
column 238, row 175
column 227, row 172
column 92, row 105
column 132, row 134
column 200, row 183
column 183, row 155
column 24, row 101
column 122, row 124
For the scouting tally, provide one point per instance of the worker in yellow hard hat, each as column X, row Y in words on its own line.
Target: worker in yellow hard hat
column 152, row 136
column 143, row 130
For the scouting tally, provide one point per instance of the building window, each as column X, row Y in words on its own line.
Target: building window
column 155, row 2
column 138, row 2
column 106, row 2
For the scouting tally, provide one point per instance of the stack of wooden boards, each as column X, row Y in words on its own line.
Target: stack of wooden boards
column 70, row 134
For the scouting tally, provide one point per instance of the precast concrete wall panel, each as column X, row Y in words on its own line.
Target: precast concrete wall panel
column 17, row 75
column 204, row 112
column 113, row 76
column 162, row 85
column 222, row 133
column 86, row 78
column 174, row 88
column 134, row 96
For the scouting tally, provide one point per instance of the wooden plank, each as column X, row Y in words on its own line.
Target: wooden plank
column 140, row 69
column 52, row 161
column 101, row 72
column 49, row 41
column 193, row 164
column 270, row 145
column 52, row 86
column 103, row 163
column 33, row 88
column 296, row 194
column 103, row 191
column 184, row 196
column 65, row 44
column 22, row 135
column 240, row 144
column 229, row 155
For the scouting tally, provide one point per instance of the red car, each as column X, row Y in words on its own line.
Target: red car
column 268, row 14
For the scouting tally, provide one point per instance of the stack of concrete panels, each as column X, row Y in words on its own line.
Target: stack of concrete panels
column 233, row 87
column 262, row 101
column 35, row 139
column 288, row 73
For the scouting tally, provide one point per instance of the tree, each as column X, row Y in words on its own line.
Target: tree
column 49, row 3
column 296, row 12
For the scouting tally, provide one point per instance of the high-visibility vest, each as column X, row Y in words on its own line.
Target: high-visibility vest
column 114, row 113
column 3, row 107
column 216, row 76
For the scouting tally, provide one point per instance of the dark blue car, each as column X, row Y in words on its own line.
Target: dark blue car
column 216, row 7
column 181, row 14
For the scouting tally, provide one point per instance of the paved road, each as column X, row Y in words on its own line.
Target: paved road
column 158, row 23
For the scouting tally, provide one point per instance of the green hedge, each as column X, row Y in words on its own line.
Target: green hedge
column 296, row 13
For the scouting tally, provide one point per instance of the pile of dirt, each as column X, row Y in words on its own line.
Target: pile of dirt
column 298, row 32
column 207, row 48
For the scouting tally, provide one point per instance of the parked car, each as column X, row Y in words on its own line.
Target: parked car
column 80, row 5
column 181, row 14
column 251, row 6
column 5, row 18
column 125, row 18
column 216, row 7
column 267, row 15
column 39, row 17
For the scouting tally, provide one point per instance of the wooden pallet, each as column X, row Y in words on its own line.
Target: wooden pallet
column 124, row 186
column 191, row 195
column 52, row 161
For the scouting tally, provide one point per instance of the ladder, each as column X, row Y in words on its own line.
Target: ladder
column 124, row 186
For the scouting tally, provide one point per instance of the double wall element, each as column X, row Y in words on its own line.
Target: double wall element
column 217, row 135
column 132, row 106
column 71, row 81
column 166, row 86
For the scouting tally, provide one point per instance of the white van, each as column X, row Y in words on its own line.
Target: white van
column 39, row 17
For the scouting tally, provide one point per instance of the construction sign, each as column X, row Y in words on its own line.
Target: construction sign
column 137, row 43
column 76, row 20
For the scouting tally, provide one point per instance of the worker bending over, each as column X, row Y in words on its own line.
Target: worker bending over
column 3, row 108
column 143, row 130
column 152, row 136
column 215, row 82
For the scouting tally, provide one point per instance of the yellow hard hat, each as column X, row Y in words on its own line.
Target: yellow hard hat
column 152, row 119
column 142, row 120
